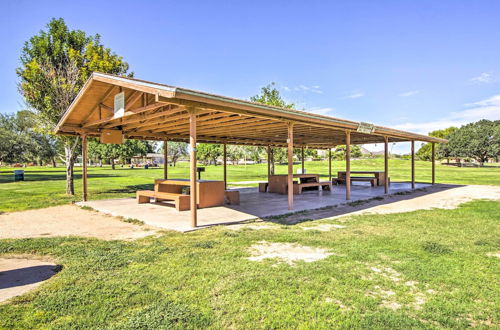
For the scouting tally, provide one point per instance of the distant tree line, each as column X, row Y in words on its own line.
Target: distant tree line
column 479, row 141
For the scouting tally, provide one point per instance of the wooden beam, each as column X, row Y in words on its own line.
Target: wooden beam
column 96, row 106
column 290, row 166
column 146, row 117
column 433, row 163
column 386, row 164
column 330, row 164
column 412, row 164
column 127, row 114
column 193, row 193
column 132, row 99
column 225, row 165
column 348, row 164
column 84, row 167
column 302, row 155
column 165, row 161
column 268, row 162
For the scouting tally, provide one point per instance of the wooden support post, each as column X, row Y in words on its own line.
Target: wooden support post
column 165, row 162
column 348, row 164
column 192, row 141
column 225, row 165
column 330, row 164
column 84, row 167
column 433, row 163
column 302, row 155
column 412, row 164
column 386, row 164
column 268, row 162
column 290, row 166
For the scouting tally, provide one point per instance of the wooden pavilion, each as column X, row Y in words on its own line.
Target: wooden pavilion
column 114, row 107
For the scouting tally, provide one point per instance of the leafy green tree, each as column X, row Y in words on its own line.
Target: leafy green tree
column 55, row 64
column 425, row 152
column 207, row 152
column 270, row 95
column 176, row 150
column 21, row 142
column 112, row 152
column 479, row 140
column 339, row 152
column 256, row 154
column 308, row 153
column 235, row 153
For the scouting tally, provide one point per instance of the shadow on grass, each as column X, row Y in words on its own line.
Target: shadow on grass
column 34, row 176
column 129, row 189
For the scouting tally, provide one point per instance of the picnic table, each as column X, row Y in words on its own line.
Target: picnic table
column 279, row 183
column 209, row 193
column 378, row 175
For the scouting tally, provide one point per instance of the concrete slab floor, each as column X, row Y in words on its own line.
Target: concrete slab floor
column 253, row 205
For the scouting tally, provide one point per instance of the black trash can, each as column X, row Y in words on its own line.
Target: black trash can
column 18, row 175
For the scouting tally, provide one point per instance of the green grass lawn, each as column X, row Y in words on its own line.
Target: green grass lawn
column 432, row 267
column 45, row 186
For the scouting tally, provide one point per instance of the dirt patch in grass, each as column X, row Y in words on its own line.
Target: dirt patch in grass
column 493, row 254
column 289, row 253
column 324, row 227
column 68, row 220
column 20, row 275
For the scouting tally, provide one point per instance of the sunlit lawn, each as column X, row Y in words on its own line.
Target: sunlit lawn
column 425, row 269
column 45, row 186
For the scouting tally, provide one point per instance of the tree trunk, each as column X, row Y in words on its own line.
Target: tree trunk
column 112, row 162
column 70, row 163
column 53, row 160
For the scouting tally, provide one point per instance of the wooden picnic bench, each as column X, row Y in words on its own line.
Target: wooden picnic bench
column 298, row 187
column 372, row 180
column 181, row 201
column 278, row 183
column 378, row 175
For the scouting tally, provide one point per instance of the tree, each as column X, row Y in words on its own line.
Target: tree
column 425, row 152
column 176, row 150
column 123, row 152
column 479, row 140
column 235, row 153
column 308, row 153
column 54, row 66
column 208, row 152
column 339, row 152
column 21, row 142
column 270, row 95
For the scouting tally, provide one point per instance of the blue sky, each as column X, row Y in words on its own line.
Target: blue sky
column 413, row 65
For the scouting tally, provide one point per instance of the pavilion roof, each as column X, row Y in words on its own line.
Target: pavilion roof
column 160, row 112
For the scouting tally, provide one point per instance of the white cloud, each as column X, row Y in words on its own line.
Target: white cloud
column 304, row 89
column 483, row 78
column 354, row 95
column 409, row 93
column 321, row 111
column 484, row 109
